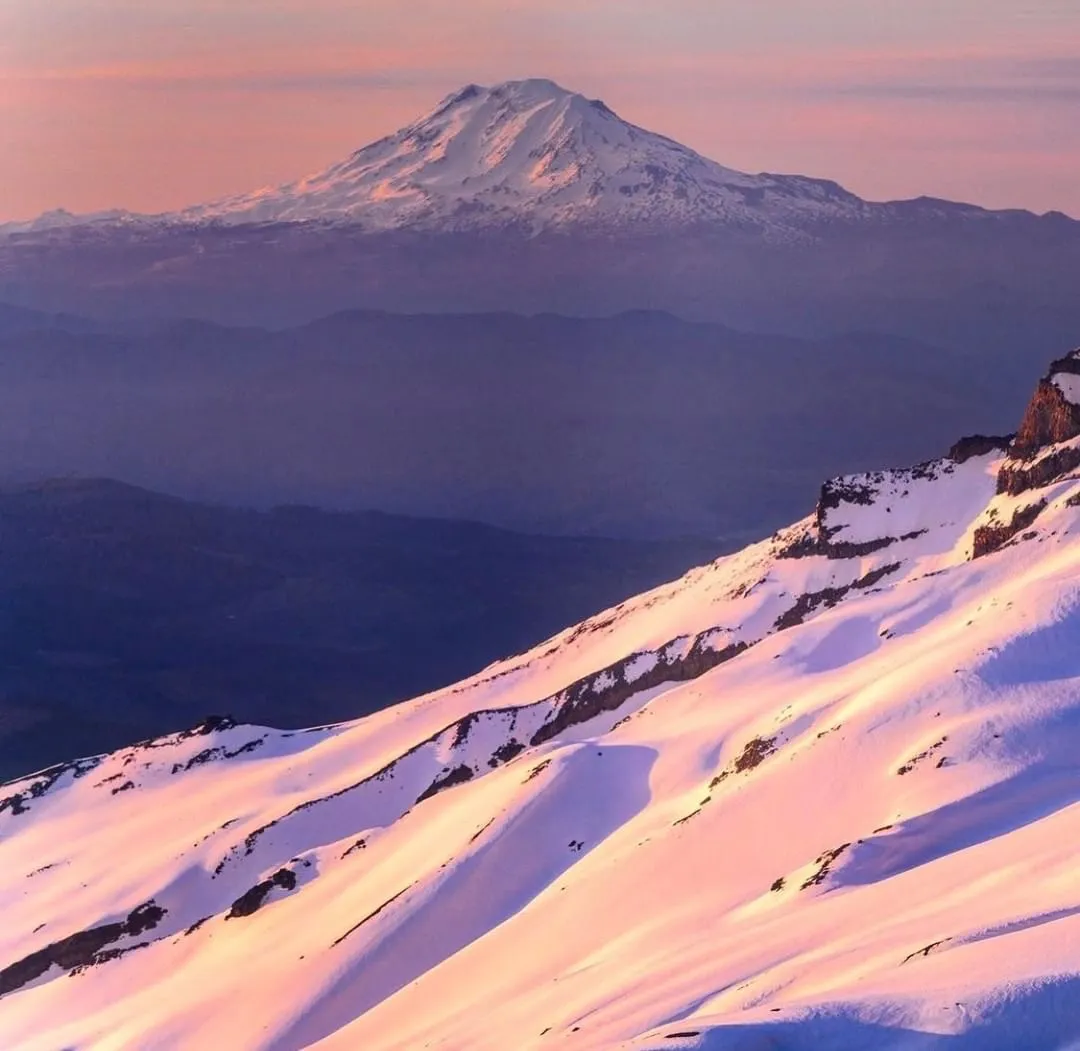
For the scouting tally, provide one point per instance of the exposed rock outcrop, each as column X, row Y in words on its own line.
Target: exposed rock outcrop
column 991, row 538
column 818, row 543
column 79, row 949
column 979, row 445
column 254, row 897
column 824, row 864
column 457, row 776
column 37, row 785
column 847, row 492
column 1044, row 449
column 808, row 603
column 1021, row 476
column 586, row 699
column 1052, row 416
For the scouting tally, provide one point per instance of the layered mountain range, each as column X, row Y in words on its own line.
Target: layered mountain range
column 635, row 425
column 818, row 794
column 529, row 197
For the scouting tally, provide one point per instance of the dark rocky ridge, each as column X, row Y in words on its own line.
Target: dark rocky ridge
column 863, row 491
column 586, row 699
column 991, row 538
column 457, row 776
column 979, row 445
column 1017, row 477
column 1032, row 462
column 829, row 597
column 1050, row 419
column 80, row 949
column 41, row 782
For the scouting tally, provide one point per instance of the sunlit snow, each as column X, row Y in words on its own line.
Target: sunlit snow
column 822, row 798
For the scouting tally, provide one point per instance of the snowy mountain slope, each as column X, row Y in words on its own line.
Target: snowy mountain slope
column 530, row 152
column 526, row 154
column 819, row 794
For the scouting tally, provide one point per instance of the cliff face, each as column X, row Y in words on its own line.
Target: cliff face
column 1020, row 477
column 1045, row 450
column 1053, row 414
column 860, row 515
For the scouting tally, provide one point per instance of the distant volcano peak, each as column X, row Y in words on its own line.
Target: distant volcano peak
column 530, row 152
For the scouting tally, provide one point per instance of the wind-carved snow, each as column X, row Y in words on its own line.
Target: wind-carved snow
column 820, row 793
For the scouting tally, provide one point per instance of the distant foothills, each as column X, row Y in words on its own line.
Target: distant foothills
column 126, row 614
column 638, row 425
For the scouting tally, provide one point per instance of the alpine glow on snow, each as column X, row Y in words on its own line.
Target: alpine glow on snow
column 819, row 794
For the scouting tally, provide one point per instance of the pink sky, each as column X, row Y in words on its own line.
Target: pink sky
column 151, row 106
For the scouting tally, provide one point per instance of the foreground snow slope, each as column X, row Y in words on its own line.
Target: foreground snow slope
column 819, row 794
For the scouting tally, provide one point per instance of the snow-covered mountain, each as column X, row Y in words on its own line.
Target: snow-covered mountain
column 529, row 198
column 524, row 153
column 820, row 794
column 530, row 152
column 527, row 154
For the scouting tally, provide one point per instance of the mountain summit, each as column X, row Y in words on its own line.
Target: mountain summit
column 820, row 794
column 528, row 152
